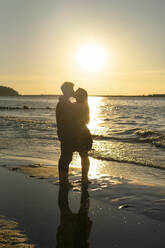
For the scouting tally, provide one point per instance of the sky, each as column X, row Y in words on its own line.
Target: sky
column 46, row 42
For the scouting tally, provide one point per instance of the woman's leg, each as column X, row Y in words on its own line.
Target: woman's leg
column 85, row 163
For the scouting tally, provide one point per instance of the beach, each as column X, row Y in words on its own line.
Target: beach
column 82, row 78
column 122, row 215
column 123, row 206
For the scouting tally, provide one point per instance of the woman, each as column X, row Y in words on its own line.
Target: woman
column 83, row 138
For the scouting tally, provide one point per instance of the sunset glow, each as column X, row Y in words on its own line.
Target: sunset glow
column 107, row 47
column 91, row 57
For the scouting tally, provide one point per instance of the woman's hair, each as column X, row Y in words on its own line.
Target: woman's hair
column 81, row 96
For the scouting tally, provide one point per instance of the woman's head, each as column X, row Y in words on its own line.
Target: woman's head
column 81, row 95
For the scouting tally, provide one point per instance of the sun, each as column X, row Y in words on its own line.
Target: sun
column 91, row 57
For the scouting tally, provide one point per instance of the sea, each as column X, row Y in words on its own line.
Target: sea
column 127, row 167
column 128, row 135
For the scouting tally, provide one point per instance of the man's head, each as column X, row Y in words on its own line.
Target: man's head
column 67, row 89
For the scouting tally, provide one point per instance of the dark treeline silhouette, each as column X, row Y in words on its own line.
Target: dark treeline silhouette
column 6, row 91
column 157, row 95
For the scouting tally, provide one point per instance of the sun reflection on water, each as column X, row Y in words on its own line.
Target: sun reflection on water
column 94, row 106
column 94, row 169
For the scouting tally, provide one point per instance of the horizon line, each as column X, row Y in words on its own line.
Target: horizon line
column 143, row 95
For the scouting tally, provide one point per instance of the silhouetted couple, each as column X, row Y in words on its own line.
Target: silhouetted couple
column 72, row 130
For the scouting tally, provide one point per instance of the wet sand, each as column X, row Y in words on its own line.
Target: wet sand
column 11, row 236
column 121, row 215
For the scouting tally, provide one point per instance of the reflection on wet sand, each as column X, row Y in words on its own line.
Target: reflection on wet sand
column 74, row 229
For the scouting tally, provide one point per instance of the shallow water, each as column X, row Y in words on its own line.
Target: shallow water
column 125, row 129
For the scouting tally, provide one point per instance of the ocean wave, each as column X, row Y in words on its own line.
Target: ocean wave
column 136, row 136
column 123, row 139
column 28, row 121
column 24, row 108
column 147, row 132
column 128, row 161
column 149, row 136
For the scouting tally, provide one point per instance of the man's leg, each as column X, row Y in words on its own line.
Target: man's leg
column 85, row 165
column 64, row 161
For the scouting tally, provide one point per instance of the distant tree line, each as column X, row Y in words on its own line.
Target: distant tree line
column 157, row 95
column 7, row 91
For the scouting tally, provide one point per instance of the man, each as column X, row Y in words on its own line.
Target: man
column 64, row 119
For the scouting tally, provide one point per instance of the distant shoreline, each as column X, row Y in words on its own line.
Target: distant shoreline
column 7, row 91
column 56, row 95
column 51, row 95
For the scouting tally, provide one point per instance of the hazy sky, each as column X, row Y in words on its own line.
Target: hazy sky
column 39, row 40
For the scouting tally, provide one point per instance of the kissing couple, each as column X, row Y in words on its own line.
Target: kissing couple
column 72, row 119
